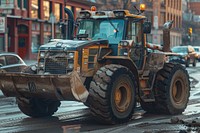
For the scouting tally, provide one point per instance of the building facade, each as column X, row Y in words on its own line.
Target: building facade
column 194, row 5
column 161, row 11
column 193, row 13
column 31, row 23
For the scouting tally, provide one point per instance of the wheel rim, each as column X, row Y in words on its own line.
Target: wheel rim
column 122, row 97
column 178, row 91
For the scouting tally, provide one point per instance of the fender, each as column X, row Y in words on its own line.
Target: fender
column 124, row 61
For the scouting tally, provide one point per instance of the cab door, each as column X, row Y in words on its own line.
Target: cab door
column 135, row 33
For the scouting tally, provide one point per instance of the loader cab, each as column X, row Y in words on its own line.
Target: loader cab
column 115, row 26
column 111, row 29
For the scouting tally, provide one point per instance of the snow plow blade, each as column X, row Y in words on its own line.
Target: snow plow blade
column 56, row 87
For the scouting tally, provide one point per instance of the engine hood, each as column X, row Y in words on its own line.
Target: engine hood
column 59, row 44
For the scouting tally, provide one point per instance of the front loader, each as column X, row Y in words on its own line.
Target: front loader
column 107, row 68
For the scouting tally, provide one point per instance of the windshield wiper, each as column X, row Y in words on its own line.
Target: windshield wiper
column 112, row 24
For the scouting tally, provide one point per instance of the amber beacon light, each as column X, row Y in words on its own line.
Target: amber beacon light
column 93, row 8
column 142, row 7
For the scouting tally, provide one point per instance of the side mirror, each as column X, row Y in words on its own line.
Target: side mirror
column 147, row 27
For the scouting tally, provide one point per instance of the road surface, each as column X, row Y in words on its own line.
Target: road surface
column 75, row 117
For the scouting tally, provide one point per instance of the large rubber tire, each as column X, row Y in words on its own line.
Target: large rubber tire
column 37, row 107
column 172, row 90
column 187, row 63
column 112, row 96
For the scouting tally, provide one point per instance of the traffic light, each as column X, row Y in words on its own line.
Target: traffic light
column 190, row 31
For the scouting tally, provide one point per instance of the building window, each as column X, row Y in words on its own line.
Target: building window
column 47, row 27
column 58, row 32
column 161, row 39
column 22, row 29
column 47, row 32
column 34, row 9
column 162, row 19
column 150, row 38
column 149, row 16
column 1, row 43
column 57, row 11
column 35, row 37
column 25, row 4
column 35, row 43
column 78, row 11
column 51, row 7
column 70, row 8
column 7, row 4
column 36, row 26
column 46, row 8
column 19, row 4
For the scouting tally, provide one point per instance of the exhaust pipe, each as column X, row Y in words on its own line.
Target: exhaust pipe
column 166, row 36
column 70, row 25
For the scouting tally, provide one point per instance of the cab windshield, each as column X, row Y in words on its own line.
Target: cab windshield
column 109, row 29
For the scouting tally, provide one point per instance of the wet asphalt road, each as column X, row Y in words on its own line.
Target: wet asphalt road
column 75, row 117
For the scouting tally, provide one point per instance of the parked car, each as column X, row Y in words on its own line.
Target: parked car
column 197, row 50
column 186, row 55
column 11, row 62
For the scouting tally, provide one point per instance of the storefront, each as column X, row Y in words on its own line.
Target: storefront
column 29, row 24
column 2, row 32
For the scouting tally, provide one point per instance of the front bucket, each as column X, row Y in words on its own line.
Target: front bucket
column 58, row 87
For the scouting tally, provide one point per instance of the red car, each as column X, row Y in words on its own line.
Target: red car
column 197, row 50
column 187, row 55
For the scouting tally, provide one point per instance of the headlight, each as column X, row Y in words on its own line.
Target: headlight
column 34, row 68
column 124, row 43
column 42, row 54
column 70, row 66
column 70, row 55
column 41, row 64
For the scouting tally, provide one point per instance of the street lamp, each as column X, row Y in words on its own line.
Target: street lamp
column 52, row 20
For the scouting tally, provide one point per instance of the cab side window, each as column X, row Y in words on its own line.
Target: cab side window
column 139, row 33
column 135, row 32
